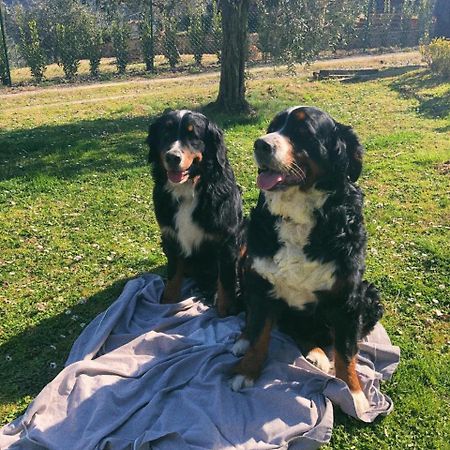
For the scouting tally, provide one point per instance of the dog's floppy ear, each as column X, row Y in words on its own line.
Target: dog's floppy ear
column 151, row 141
column 353, row 148
column 215, row 143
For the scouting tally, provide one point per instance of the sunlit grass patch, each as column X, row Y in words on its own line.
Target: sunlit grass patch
column 76, row 221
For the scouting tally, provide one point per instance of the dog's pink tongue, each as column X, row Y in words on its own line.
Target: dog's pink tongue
column 175, row 177
column 267, row 180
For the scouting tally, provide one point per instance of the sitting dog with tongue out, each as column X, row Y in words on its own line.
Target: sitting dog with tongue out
column 197, row 205
column 306, row 247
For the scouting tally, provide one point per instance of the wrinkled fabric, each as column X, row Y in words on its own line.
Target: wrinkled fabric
column 148, row 376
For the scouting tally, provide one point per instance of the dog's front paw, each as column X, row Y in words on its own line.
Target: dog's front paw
column 318, row 358
column 361, row 403
column 240, row 347
column 239, row 382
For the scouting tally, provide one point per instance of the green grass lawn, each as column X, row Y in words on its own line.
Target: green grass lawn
column 76, row 221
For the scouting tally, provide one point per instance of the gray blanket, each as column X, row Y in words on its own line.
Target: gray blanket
column 149, row 376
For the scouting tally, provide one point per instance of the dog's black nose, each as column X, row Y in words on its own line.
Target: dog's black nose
column 173, row 159
column 263, row 147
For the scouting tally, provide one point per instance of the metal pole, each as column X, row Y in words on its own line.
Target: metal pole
column 8, row 71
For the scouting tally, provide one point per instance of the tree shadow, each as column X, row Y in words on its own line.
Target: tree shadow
column 432, row 106
column 444, row 129
column 67, row 150
column 409, row 82
column 87, row 146
column 32, row 358
column 227, row 120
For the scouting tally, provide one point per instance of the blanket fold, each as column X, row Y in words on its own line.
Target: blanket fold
column 148, row 376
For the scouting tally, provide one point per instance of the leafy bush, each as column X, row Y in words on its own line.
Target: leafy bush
column 93, row 45
column 77, row 36
column 68, row 48
column 437, row 56
column 30, row 47
column 169, row 36
column 120, row 35
column 297, row 30
column 147, row 43
column 197, row 37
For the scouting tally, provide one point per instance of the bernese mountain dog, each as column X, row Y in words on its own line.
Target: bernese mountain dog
column 306, row 244
column 198, row 206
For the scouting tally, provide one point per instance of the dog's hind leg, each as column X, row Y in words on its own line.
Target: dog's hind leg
column 345, row 364
column 175, row 273
column 172, row 291
column 227, row 283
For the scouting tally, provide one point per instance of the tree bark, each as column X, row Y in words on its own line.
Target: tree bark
column 231, row 96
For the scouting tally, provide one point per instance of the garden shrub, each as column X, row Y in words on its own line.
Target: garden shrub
column 93, row 45
column 147, row 43
column 169, row 42
column 120, row 35
column 30, row 47
column 197, row 37
column 68, row 48
column 437, row 56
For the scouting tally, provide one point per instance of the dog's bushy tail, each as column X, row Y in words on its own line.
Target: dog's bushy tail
column 373, row 309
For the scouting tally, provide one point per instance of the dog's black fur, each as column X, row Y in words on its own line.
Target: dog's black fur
column 188, row 147
column 318, row 155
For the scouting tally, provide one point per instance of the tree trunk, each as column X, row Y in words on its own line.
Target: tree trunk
column 231, row 96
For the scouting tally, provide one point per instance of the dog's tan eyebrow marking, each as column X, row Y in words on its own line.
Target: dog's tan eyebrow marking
column 300, row 115
column 190, row 127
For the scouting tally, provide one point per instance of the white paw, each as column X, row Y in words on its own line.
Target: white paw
column 361, row 403
column 240, row 347
column 239, row 382
column 319, row 359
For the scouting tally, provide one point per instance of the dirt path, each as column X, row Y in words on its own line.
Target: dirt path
column 359, row 61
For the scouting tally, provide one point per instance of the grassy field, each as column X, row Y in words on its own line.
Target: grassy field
column 76, row 222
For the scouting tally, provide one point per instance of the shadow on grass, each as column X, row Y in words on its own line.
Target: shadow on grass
column 28, row 358
column 101, row 145
column 72, row 149
column 430, row 106
column 445, row 129
column 384, row 73
column 408, row 82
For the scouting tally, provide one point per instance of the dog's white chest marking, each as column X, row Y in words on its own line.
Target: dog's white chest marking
column 293, row 275
column 189, row 234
